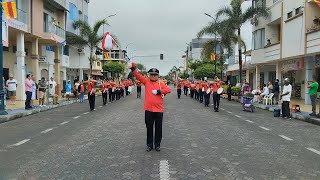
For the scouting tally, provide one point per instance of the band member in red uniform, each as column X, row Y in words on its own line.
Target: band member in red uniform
column 104, row 89
column 179, row 86
column 192, row 89
column 153, row 104
column 91, row 83
column 138, row 84
column 206, row 87
column 216, row 97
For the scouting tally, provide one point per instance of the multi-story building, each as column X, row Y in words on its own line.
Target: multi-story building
column 287, row 45
column 78, row 56
column 116, row 55
column 35, row 41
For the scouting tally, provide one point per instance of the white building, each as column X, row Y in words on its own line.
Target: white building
column 294, row 49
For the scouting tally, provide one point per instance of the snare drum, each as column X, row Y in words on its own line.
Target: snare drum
column 220, row 90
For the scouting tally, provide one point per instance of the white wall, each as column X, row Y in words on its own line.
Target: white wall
column 79, row 62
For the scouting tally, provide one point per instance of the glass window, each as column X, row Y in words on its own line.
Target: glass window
column 85, row 19
column 73, row 12
column 50, row 48
column 290, row 14
column 298, row 10
column 66, row 50
column 258, row 39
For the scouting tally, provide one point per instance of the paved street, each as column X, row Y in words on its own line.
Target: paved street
column 198, row 143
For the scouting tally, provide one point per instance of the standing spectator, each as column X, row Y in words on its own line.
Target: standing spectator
column 34, row 90
column 313, row 94
column 91, row 92
column 286, row 96
column 42, row 91
column 75, row 92
column 28, row 87
column 68, row 90
column 229, row 90
column 51, row 81
column 270, row 87
column 81, row 91
column 11, row 86
column 276, row 91
column 52, row 94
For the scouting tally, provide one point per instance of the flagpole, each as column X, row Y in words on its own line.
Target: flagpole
column 2, row 93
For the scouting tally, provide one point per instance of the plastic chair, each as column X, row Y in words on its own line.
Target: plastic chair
column 268, row 99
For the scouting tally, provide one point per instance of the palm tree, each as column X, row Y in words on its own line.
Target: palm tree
column 234, row 18
column 88, row 36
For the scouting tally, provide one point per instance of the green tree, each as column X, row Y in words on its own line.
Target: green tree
column 114, row 68
column 88, row 36
column 205, row 70
column 229, row 28
column 184, row 75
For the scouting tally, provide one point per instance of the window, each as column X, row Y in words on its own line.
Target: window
column 50, row 48
column 195, row 45
column 290, row 14
column 73, row 12
column 85, row 18
column 5, row 48
column 258, row 39
column 98, row 63
column 66, row 50
column 298, row 10
column 48, row 23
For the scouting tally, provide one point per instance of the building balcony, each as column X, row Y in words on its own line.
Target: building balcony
column 59, row 4
column 54, row 32
column 313, row 41
column 272, row 52
column 21, row 22
column 65, row 61
column 114, row 56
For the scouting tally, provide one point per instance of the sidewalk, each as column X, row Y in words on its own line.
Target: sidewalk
column 303, row 115
column 18, row 111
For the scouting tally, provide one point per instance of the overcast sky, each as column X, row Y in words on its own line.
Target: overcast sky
column 155, row 26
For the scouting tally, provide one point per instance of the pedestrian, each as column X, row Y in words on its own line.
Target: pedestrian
column 42, row 91
column 53, row 95
column 153, row 104
column 81, row 92
column 276, row 92
column 138, row 84
column 76, row 86
column 179, row 86
column 11, row 86
column 68, row 90
column 91, row 83
column 206, row 91
column 104, row 89
column 28, row 87
column 216, row 97
column 313, row 95
column 229, row 90
column 285, row 97
column 34, row 90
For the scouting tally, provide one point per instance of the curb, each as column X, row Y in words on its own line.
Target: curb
column 298, row 116
column 10, row 117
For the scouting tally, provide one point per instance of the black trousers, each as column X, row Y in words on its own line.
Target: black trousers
column 206, row 99
column 122, row 92
column 179, row 93
column 138, row 91
column 185, row 90
column 196, row 94
column 28, row 100
column 216, row 100
column 201, row 95
column 104, row 98
column 113, row 94
column 127, row 92
column 285, row 109
column 110, row 94
column 118, row 94
column 192, row 93
column 156, row 119
column 92, row 101
column 229, row 96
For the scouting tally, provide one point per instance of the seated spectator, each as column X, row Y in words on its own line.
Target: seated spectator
column 246, row 89
column 264, row 93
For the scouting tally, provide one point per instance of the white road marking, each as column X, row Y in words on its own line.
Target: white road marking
column 238, row 116
column 286, row 138
column 222, row 109
column 229, row 112
column 164, row 170
column 76, row 117
column 264, row 128
column 86, row 113
column 249, row 121
column 63, row 123
column 46, row 131
column 314, row 150
column 21, row 142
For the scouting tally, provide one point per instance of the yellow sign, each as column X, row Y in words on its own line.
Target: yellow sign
column 213, row 57
column 106, row 55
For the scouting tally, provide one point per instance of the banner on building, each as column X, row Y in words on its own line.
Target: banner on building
column 10, row 9
column 293, row 65
column 5, row 34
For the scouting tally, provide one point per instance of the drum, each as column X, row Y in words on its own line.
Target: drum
column 220, row 90
column 208, row 91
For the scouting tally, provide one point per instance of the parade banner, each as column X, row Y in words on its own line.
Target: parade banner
column 10, row 9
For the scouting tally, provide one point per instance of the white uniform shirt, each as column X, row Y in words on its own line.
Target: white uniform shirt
column 286, row 89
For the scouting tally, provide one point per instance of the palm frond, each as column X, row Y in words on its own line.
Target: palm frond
column 76, row 40
column 225, row 11
column 259, row 12
column 98, row 25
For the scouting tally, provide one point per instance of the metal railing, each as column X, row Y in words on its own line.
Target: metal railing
column 59, row 31
column 53, row 28
column 22, row 16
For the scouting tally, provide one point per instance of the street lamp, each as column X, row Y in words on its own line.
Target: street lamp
column 2, row 100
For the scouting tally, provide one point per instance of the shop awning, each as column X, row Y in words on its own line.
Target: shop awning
column 97, row 74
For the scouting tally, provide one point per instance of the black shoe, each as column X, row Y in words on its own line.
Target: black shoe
column 158, row 148
column 149, row 149
column 312, row 114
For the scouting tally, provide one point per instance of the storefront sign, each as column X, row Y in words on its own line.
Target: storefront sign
column 293, row 65
column 43, row 59
column 5, row 36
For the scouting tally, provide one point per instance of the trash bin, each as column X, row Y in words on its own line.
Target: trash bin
column 276, row 113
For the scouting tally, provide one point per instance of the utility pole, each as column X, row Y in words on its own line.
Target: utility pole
column 2, row 100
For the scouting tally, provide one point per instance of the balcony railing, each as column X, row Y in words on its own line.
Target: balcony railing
column 22, row 16
column 53, row 28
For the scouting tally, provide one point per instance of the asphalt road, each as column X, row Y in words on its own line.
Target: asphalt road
column 198, row 143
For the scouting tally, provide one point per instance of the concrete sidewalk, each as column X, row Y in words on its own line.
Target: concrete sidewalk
column 303, row 115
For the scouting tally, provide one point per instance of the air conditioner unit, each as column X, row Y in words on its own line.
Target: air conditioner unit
column 254, row 21
column 81, row 51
